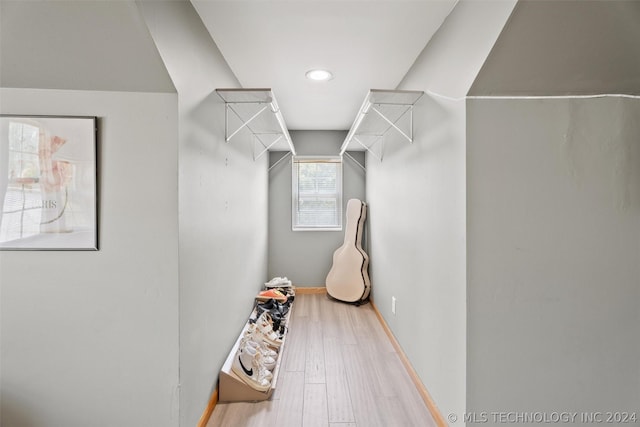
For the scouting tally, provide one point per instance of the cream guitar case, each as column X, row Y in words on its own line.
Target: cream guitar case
column 348, row 279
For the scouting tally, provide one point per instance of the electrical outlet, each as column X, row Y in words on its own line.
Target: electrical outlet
column 393, row 305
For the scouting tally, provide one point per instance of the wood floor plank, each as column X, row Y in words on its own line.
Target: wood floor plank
column 391, row 413
column 218, row 415
column 331, row 326
column 313, row 308
column 358, row 322
column 365, row 408
column 314, row 371
column 300, row 304
column 381, row 379
column 315, row 406
column 411, row 401
column 296, row 345
column 248, row 414
column 347, row 334
column 338, row 396
column 284, row 354
column 291, row 405
column 376, row 329
column 261, row 413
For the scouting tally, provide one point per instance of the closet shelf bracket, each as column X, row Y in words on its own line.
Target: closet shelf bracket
column 258, row 112
column 393, row 110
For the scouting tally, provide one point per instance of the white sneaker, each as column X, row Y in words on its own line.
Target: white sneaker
column 246, row 366
column 254, row 334
column 265, row 356
column 268, row 357
column 278, row 282
column 265, row 327
column 267, row 372
column 256, row 339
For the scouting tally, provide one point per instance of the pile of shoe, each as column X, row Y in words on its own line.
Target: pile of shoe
column 276, row 303
column 259, row 346
column 257, row 353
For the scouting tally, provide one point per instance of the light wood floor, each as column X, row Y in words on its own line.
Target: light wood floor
column 339, row 369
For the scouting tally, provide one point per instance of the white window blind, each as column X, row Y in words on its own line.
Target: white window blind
column 317, row 193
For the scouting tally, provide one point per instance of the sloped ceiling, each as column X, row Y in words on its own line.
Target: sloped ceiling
column 455, row 54
column 547, row 47
column 565, row 48
column 366, row 44
column 82, row 45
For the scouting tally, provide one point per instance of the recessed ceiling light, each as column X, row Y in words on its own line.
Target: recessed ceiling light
column 319, row 75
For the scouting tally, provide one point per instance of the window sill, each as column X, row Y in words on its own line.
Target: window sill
column 316, row 229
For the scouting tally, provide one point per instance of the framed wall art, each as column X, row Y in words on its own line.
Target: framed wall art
column 48, row 183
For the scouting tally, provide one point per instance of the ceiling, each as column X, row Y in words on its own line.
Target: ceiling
column 366, row 44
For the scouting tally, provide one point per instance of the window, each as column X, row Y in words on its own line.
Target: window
column 317, row 193
column 21, row 207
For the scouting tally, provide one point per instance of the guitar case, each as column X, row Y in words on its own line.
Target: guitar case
column 348, row 279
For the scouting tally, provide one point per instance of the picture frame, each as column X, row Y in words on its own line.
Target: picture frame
column 48, row 183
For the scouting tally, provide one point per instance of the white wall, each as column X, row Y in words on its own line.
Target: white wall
column 554, row 244
column 91, row 338
column 418, row 211
column 223, row 205
column 306, row 257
